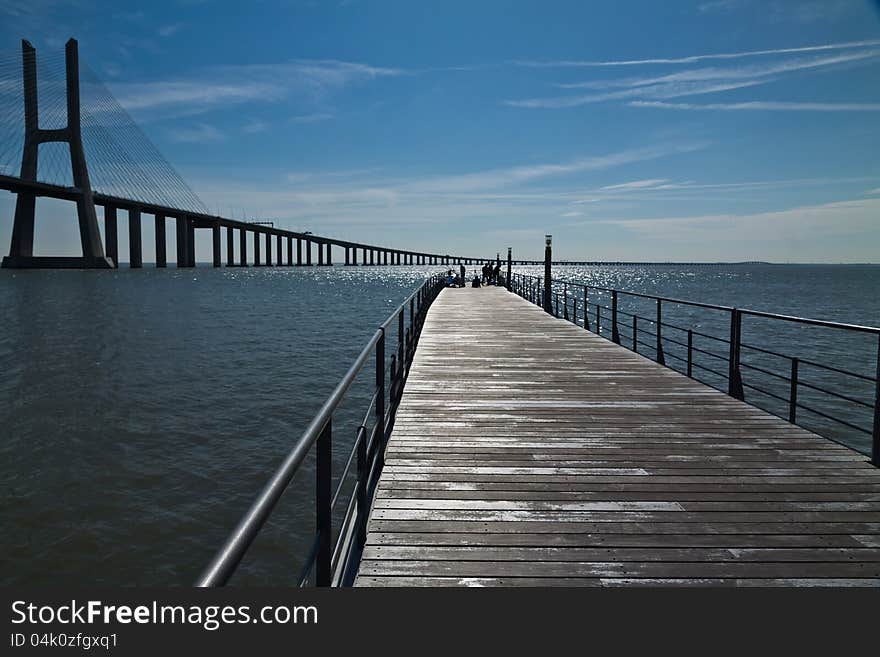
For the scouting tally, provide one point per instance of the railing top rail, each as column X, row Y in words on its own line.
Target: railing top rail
column 743, row 311
column 227, row 559
column 813, row 322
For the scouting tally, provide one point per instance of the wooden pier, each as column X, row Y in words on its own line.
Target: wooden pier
column 527, row 451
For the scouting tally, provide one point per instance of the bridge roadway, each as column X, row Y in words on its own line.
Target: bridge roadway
column 527, row 451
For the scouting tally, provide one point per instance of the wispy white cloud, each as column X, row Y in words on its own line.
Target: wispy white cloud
column 519, row 175
column 729, row 73
column 670, row 90
column 872, row 192
column 692, row 82
column 313, row 176
column 196, row 96
column 768, row 106
column 308, row 80
column 636, row 184
column 170, row 30
column 720, row 6
column 754, row 184
column 198, row 134
column 572, row 214
column 816, row 221
column 254, row 126
column 315, row 117
column 692, row 59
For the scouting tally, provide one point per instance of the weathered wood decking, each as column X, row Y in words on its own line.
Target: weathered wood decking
column 530, row 452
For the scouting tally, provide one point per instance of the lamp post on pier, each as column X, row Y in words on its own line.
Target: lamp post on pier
column 548, row 286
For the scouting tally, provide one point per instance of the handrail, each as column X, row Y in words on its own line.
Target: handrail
column 531, row 289
column 229, row 556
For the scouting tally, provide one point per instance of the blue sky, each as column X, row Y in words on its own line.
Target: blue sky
column 699, row 130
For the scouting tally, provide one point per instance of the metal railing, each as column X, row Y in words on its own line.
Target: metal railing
column 597, row 310
column 329, row 562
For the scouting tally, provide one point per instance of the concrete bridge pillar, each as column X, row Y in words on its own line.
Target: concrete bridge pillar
column 308, row 253
column 299, row 252
column 215, row 236
column 280, row 249
column 190, row 242
column 354, row 256
column 135, row 255
column 320, row 254
column 242, row 247
column 230, row 247
column 289, row 251
column 329, row 254
column 110, row 234
column 161, row 251
column 180, row 232
column 268, row 249
column 347, row 257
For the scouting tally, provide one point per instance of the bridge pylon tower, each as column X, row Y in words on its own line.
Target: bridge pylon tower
column 21, row 251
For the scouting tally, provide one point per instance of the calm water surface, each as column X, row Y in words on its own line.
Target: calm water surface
column 141, row 411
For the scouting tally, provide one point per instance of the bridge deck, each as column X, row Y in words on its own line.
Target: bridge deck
column 530, row 452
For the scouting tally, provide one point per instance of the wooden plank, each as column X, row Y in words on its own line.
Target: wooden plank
column 391, row 581
column 523, row 539
column 527, row 451
column 691, row 528
column 618, row 553
column 628, row 569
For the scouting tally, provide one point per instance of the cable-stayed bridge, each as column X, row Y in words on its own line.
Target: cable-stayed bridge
column 64, row 136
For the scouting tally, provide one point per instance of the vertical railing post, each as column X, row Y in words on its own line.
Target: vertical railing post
column 401, row 357
column 875, row 443
column 635, row 333
column 565, row 300
column 556, row 303
column 586, row 309
column 793, row 392
column 509, row 265
column 660, row 357
column 411, row 334
column 615, row 334
column 380, row 396
column 323, row 500
column 574, row 303
column 539, row 291
column 363, row 473
column 734, row 378
column 690, row 354
column 598, row 319
column 392, row 387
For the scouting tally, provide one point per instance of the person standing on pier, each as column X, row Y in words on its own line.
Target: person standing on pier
column 462, row 273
